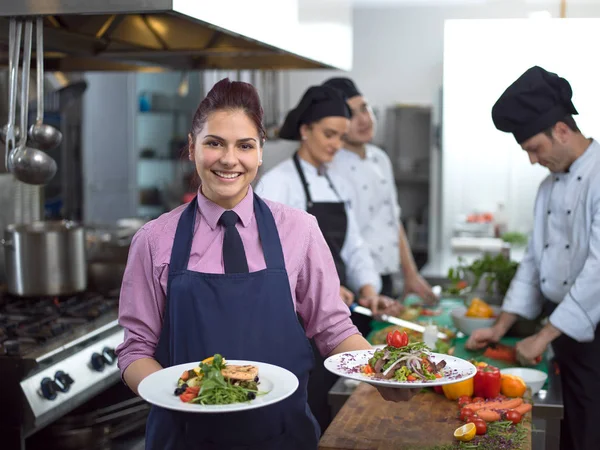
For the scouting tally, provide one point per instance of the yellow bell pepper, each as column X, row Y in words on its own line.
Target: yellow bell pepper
column 456, row 390
column 480, row 309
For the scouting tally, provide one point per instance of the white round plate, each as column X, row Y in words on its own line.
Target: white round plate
column 159, row 387
column 349, row 364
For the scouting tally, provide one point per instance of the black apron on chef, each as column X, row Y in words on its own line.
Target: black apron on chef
column 332, row 220
column 579, row 365
column 247, row 316
column 333, row 223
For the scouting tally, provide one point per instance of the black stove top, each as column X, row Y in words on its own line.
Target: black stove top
column 26, row 324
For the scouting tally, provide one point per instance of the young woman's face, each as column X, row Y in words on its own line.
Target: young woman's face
column 322, row 140
column 227, row 153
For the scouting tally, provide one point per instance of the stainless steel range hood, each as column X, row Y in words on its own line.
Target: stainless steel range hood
column 153, row 35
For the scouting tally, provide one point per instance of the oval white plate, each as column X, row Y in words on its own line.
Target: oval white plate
column 159, row 387
column 349, row 364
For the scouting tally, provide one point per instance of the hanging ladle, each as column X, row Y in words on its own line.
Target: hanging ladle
column 14, row 48
column 45, row 136
column 11, row 134
column 29, row 165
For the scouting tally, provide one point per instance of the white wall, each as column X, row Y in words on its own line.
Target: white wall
column 482, row 166
column 398, row 58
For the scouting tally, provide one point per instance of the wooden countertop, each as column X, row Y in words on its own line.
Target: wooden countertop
column 367, row 422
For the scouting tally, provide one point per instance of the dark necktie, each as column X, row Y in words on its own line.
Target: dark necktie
column 234, row 256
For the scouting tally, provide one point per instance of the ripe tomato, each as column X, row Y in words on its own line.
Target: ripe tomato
column 513, row 416
column 478, row 400
column 467, row 415
column 464, row 400
column 397, row 339
column 403, row 339
column 480, row 426
column 189, row 394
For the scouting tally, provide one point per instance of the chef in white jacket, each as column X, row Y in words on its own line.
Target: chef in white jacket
column 318, row 122
column 560, row 273
column 368, row 171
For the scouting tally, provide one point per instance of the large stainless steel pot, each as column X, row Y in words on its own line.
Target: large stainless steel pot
column 107, row 252
column 45, row 258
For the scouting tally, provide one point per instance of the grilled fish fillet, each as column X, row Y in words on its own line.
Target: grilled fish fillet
column 240, row 373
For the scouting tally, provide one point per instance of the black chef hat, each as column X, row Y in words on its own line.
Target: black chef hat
column 536, row 101
column 346, row 85
column 317, row 103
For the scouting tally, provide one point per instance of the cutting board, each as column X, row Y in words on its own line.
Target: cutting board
column 367, row 422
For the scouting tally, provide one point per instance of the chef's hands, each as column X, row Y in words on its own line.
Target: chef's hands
column 397, row 395
column 347, row 296
column 416, row 284
column 531, row 349
column 380, row 304
column 482, row 338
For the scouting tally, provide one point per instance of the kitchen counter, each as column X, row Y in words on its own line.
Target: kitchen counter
column 546, row 415
column 368, row 422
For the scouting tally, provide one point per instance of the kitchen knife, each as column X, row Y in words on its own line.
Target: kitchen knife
column 394, row 320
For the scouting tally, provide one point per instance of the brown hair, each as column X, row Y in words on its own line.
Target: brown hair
column 230, row 95
column 568, row 121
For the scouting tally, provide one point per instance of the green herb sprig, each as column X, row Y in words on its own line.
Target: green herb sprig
column 216, row 390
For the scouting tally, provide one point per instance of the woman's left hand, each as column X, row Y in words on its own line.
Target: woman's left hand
column 416, row 284
column 380, row 304
column 397, row 395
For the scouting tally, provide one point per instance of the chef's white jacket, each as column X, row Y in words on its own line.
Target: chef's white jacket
column 282, row 184
column 374, row 198
column 562, row 262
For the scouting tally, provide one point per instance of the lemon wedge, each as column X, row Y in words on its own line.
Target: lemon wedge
column 466, row 432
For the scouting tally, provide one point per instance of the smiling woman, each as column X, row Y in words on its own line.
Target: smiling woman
column 228, row 273
column 227, row 149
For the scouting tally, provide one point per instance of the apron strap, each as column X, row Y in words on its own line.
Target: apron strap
column 309, row 201
column 182, row 244
column 269, row 235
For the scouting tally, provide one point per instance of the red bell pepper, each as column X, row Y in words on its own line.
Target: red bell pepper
column 487, row 382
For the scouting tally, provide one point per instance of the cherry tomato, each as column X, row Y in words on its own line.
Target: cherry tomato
column 464, row 400
column 467, row 414
column 388, row 338
column 478, row 400
column 403, row 339
column 189, row 394
column 513, row 416
column 438, row 390
column 398, row 339
column 480, row 426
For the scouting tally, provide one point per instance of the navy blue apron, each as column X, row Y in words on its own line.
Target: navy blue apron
column 241, row 316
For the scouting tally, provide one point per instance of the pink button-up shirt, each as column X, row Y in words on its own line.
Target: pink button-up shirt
column 313, row 279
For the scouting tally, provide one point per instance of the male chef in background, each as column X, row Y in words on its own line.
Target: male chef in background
column 561, row 269
column 374, row 197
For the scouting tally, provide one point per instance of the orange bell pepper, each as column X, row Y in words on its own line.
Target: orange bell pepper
column 456, row 390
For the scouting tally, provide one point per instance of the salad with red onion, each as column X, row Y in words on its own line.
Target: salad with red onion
column 410, row 362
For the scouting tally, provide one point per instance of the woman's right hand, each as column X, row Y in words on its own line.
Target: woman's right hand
column 482, row 337
column 347, row 295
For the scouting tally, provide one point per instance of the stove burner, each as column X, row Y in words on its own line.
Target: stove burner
column 25, row 323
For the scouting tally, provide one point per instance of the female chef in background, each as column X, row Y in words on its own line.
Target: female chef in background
column 227, row 273
column 319, row 122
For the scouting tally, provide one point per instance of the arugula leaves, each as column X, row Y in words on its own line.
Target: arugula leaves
column 216, row 390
